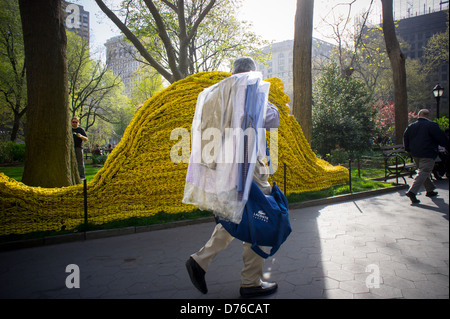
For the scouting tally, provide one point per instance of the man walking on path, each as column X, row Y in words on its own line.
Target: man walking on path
column 252, row 284
column 421, row 139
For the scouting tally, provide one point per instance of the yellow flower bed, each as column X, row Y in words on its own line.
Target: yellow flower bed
column 139, row 179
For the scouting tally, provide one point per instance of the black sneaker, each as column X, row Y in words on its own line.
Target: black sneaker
column 412, row 197
column 431, row 194
column 197, row 275
column 266, row 288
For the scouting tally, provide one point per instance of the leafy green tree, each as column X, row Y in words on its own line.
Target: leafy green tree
column 342, row 113
column 13, row 89
column 179, row 38
column 373, row 67
column 123, row 118
column 90, row 84
column 146, row 83
column 417, row 76
column 371, row 64
column 436, row 50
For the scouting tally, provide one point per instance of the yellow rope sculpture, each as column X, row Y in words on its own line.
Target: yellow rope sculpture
column 139, row 179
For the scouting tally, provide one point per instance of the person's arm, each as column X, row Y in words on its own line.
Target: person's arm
column 439, row 136
column 272, row 117
column 82, row 136
column 406, row 140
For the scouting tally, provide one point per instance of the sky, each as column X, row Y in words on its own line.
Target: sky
column 274, row 20
column 271, row 19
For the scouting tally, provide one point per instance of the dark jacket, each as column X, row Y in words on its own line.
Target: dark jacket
column 421, row 139
column 76, row 140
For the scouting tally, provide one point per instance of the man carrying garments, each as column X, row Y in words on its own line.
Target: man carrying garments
column 219, row 175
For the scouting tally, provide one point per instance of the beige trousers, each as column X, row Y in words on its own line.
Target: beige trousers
column 252, row 272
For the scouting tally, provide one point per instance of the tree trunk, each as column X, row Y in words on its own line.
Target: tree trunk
column 302, row 66
column 49, row 156
column 15, row 128
column 397, row 60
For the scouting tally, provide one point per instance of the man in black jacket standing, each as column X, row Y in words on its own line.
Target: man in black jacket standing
column 421, row 139
column 79, row 135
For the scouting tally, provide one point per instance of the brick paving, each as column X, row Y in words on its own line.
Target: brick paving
column 377, row 247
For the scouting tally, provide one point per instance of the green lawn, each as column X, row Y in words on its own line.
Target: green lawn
column 16, row 172
column 358, row 185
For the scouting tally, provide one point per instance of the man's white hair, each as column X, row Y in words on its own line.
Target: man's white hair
column 242, row 65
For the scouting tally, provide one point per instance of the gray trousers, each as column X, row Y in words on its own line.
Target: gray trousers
column 425, row 167
column 80, row 161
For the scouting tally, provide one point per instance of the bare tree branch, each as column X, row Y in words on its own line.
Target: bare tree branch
column 171, row 56
column 200, row 19
column 133, row 39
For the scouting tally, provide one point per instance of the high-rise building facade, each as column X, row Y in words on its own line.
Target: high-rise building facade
column 416, row 31
column 404, row 9
column 280, row 65
column 120, row 58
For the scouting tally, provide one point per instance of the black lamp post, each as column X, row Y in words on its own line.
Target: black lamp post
column 438, row 91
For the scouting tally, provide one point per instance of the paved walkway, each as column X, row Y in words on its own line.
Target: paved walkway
column 377, row 247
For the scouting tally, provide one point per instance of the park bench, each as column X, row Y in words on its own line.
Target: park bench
column 397, row 162
column 87, row 153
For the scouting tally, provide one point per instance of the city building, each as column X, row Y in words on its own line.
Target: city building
column 418, row 30
column 404, row 9
column 420, row 20
column 280, row 65
column 76, row 19
column 120, row 58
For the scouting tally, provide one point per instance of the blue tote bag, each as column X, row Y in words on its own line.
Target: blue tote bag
column 265, row 221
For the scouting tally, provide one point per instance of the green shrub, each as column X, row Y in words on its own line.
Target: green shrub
column 443, row 122
column 11, row 152
column 99, row 159
column 342, row 113
column 338, row 156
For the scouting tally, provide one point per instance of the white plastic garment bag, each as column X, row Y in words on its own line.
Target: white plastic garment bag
column 227, row 136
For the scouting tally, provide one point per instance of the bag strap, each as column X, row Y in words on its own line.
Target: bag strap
column 260, row 252
column 255, row 246
column 270, row 164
